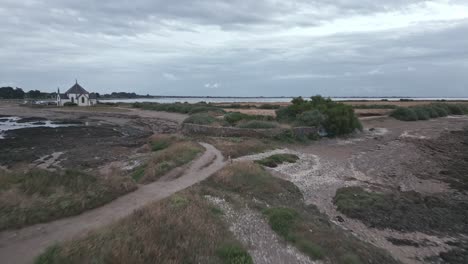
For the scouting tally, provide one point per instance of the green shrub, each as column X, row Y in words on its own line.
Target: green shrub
column 312, row 118
column 256, row 124
column 69, row 104
column 456, row 109
column 441, row 110
column 422, row 113
column 269, row 106
column 234, row 117
column 341, row 120
column 375, row 106
column 274, row 160
column 337, row 118
column 425, row 112
column 234, row 254
column 200, row 119
column 282, row 220
column 404, row 114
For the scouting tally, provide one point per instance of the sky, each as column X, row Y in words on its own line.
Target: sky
column 238, row 47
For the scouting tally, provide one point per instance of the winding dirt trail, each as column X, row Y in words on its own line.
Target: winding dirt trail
column 23, row 245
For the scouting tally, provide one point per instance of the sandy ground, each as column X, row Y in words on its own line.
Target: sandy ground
column 381, row 157
column 21, row 246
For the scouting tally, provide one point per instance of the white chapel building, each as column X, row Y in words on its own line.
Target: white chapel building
column 76, row 95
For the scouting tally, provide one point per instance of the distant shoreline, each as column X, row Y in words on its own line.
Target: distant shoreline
column 266, row 100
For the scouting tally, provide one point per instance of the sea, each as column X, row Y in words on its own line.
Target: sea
column 11, row 123
column 265, row 99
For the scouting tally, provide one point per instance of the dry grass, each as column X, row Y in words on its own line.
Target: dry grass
column 265, row 112
column 237, row 147
column 162, row 141
column 180, row 229
column 169, row 158
column 41, row 196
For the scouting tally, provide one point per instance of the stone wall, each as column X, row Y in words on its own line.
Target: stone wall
column 193, row 129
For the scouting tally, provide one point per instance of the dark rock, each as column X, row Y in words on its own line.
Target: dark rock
column 339, row 219
column 31, row 119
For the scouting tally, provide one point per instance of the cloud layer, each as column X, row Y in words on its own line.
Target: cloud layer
column 269, row 47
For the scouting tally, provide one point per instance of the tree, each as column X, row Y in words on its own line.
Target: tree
column 11, row 93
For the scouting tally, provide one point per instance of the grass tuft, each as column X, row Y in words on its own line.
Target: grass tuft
column 234, row 254
column 274, row 160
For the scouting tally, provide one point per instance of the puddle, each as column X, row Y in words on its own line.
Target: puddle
column 13, row 123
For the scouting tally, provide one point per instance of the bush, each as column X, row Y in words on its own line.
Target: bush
column 200, row 119
column 274, row 160
column 337, row 118
column 256, row 124
column 425, row 112
column 341, row 120
column 269, row 106
column 312, row 118
column 404, row 114
column 422, row 113
column 234, row 117
column 69, row 104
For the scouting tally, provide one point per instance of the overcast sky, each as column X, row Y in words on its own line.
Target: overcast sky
column 238, row 47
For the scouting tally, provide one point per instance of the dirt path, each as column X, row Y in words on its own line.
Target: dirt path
column 21, row 246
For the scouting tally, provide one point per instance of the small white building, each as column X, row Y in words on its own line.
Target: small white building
column 76, row 95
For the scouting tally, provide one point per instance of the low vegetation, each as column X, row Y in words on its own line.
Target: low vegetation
column 425, row 112
column 235, row 147
column 277, row 159
column 257, row 124
column 336, row 118
column 375, row 106
column 200, row 119
column 163, row 161
column 39, row 195
column 405, row 211
column 162, row 141
column 287, row 223
column 234, row 118
column 300, row 225
column 184, row 108
column 180, row 229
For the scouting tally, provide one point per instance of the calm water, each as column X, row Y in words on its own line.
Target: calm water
column 258, row 100
column 11, row 123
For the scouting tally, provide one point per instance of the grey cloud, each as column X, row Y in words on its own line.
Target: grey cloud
column 191, row 47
